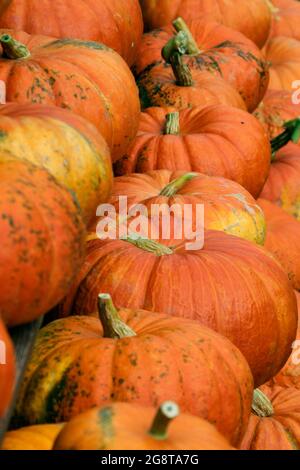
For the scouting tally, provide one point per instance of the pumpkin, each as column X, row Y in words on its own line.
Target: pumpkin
column 40, row 437
column 42, row 241
column 217, row 141
column 83, row 76
column 69, row 147
column 214, row 48
column 251, row 18
column 275, row 420
column 139, row 428
column 283, row 54
column 115, row 23
column 286, row 18
column 137, row 357
column 188, row 281
column 227, row 205
column 283, row 231
column 7, row 369
column 275, row 110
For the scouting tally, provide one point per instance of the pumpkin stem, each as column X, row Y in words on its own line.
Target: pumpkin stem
column 291, row 133
column 175, row 185
column 13, row 49
column 149, row 245
column 172, row 54
column 180, row 25
column 274, row 10
column 113, row 326
column 261, row 404
column 172, row 126
column 166, row 413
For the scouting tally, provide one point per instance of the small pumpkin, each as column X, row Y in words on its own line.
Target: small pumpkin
column 286, row 18
column 116, row 23
column 39, row 437
column 216, row 141
column 69, row 147
column 275, row 420
column 87, row 78
column 139, row 428
column 283, row 54
column 7, row 369
column 42, row 241
column 138, row 357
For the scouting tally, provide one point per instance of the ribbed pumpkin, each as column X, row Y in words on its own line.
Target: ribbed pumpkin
column 284, row 57
column 83, row 76
column 139, row 428
column 7, row 369
column 116, row 23
column 42, row 241
column 39, row 437
column 251, row 18
column 68, row 146
column 286, row 18
column 227, row 205
column 217, row 141
column 214, row 48
column 275, row 420
column 283, row 239
column 200, row 284
column 137, row 357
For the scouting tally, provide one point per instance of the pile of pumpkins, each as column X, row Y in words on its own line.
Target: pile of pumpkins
column 187, row 102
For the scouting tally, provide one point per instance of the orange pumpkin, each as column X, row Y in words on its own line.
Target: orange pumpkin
column 217, row 141
column 138, row 357
column 7, row 369
column 275, row 420
column 214, row 48
column 284, row 57
column 115, row 23
column 139, row 428
column 286, row 18
column 85, row 77
column 39, row 437
column 42, row 242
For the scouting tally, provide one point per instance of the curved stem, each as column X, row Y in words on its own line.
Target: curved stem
column 172, row 54
column 172, row 126
column 261, row 404
column 291, row 133
column 13, row 49
column 113, row 326
column 180, row 25
column 175, row 186
column 149, row 245
column 166, row 413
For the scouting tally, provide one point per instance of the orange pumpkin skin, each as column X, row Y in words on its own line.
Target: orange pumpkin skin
column 131, row 424
column 7, row 369
column 222, row 52
column 69, row 147
column 39, row 437
column 169, row 358
column 42, row 242
column 282, row 185
column 253, row 20
column 284, row 57
column 283, row 239
column 216, row 141
column 83, row 76
column 280, row 430
column 140, row 279
column 286, row 19
column 115, row 23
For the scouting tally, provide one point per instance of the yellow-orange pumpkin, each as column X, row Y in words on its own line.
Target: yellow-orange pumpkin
column 40, row 437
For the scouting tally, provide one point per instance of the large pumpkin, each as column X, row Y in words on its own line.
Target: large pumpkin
column 251, row 18
column 214, row 48
column 83, row 76
column 40, row 437
column 227, row 205
column 42, row 241
column 138, row 357
column 200, row 284
column 286, row 18
column 283, row 239
column 7, row 369
column 217, row 141
column 115, row 23
column 284, row 57
column 69, row 147
column 275, row 420
column 139, row 428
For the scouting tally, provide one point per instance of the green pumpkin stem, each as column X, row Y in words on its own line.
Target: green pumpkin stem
column 274, row 10
column 172, row 126
column 172, row 188
column 13, row 49
column 261, row 404
column 166, row 413
column 172, row 54
column 113, row 326
column 290, row 133
column 180, row 25
column 149, row 245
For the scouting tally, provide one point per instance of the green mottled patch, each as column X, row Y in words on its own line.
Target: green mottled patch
column 3, row 134
column 105, row 416
column 77, row 43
